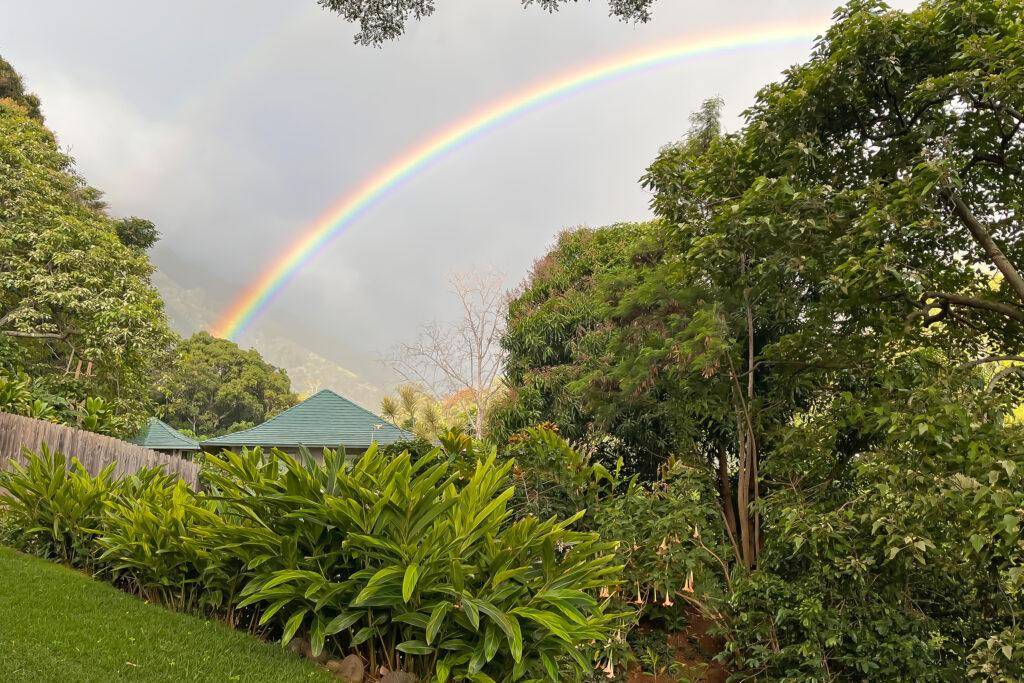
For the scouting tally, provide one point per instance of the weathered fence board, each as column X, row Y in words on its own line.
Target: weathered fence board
column 94, row 451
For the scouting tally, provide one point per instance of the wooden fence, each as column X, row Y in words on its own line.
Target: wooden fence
column 94, row 451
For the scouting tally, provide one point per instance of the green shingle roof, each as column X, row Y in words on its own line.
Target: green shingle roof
column 325, row 419
column 161, row 436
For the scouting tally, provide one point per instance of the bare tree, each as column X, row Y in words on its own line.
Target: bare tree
column 462, row 357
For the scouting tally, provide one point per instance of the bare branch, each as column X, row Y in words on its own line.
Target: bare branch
column 464, row 356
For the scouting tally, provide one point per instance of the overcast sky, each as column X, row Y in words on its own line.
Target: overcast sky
column 233, row 125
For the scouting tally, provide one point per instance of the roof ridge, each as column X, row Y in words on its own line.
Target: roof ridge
column 157, row 428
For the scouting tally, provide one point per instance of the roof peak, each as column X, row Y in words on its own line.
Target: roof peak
column 324, row 419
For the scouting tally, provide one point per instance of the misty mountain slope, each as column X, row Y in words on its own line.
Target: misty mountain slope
column 189, row 310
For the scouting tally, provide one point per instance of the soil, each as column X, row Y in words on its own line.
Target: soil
column 694, row 650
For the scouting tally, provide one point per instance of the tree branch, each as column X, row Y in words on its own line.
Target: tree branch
column 993, row 359
column 971, row 302
column 982, row 236
column 36, row 335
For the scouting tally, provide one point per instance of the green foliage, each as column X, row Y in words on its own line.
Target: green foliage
column 416, row 411
column 380, row 22
column 417, row 570
column 668, row 535
column 76, row 305
column 22, row 395
column 814, row 322
column 894, row 563
column 56, row 511
column 137, row 232
column 12, row 92
column 557, row 331
column 211, row 386
column 150, row 541
column 554, row 478
column 416, row 565
column 661, row 529
column 1000, row 657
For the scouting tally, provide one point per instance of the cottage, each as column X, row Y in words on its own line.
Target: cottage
column 324, row 420
column 160, row 436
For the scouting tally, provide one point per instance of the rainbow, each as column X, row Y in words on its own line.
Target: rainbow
column 259, row 295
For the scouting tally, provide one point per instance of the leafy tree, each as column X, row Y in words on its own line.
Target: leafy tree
column 817, row 319
column 137, row 232
column 77, row 309
column 382, row 21
column 211, row 387
column 12, row 92
column 556, row 327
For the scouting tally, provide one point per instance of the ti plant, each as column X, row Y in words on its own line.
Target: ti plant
column 413, row 566
column 57, row 510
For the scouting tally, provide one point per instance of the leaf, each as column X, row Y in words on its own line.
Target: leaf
column 316, row 636
column 412, row 575
column 436, row 620
column 472, row 613
column 341, row 622
column 292, row 625
column 414, row 647
column 509, row 625
column 362, row 635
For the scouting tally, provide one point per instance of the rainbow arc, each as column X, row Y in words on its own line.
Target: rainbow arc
column 256, row 298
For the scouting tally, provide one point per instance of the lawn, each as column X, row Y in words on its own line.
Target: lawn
column 57, row 624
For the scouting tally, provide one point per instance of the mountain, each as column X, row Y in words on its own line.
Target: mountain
column 190, row 310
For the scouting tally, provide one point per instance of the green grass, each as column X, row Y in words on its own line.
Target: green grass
column 57, row 624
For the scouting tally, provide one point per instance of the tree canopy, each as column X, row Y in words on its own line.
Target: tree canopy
column 383, row 21
column 210, row 386
column 76, row 305
column 12, row 92
column 826, row 317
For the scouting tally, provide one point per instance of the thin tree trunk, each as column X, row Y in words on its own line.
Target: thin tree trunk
column 728, row 502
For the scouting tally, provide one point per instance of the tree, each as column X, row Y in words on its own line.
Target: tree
column 465, row 356
column 211, row 387
column 811, row 320
column 137, row 232
column 76, row 306
column 382, row 21
column 556, row 326
column 12, row 92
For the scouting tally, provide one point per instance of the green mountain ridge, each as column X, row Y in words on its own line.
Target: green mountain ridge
column 188, row 311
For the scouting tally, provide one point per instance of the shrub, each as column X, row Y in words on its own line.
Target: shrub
column 414, row 569
column 553, row 477
column 150, row 542
column 670, row 540
column 57, row 511
column 23, row 395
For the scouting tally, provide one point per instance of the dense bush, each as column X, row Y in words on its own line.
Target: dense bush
column 402, row 562
column 151, row 545
column 55, row 511
column 668, row 534
column 31, row 397
column 904, row 561
column 415, row 565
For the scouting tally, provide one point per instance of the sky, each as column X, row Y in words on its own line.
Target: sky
column 234, row 124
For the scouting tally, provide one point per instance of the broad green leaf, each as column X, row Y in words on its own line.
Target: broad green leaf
column 412, row 574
